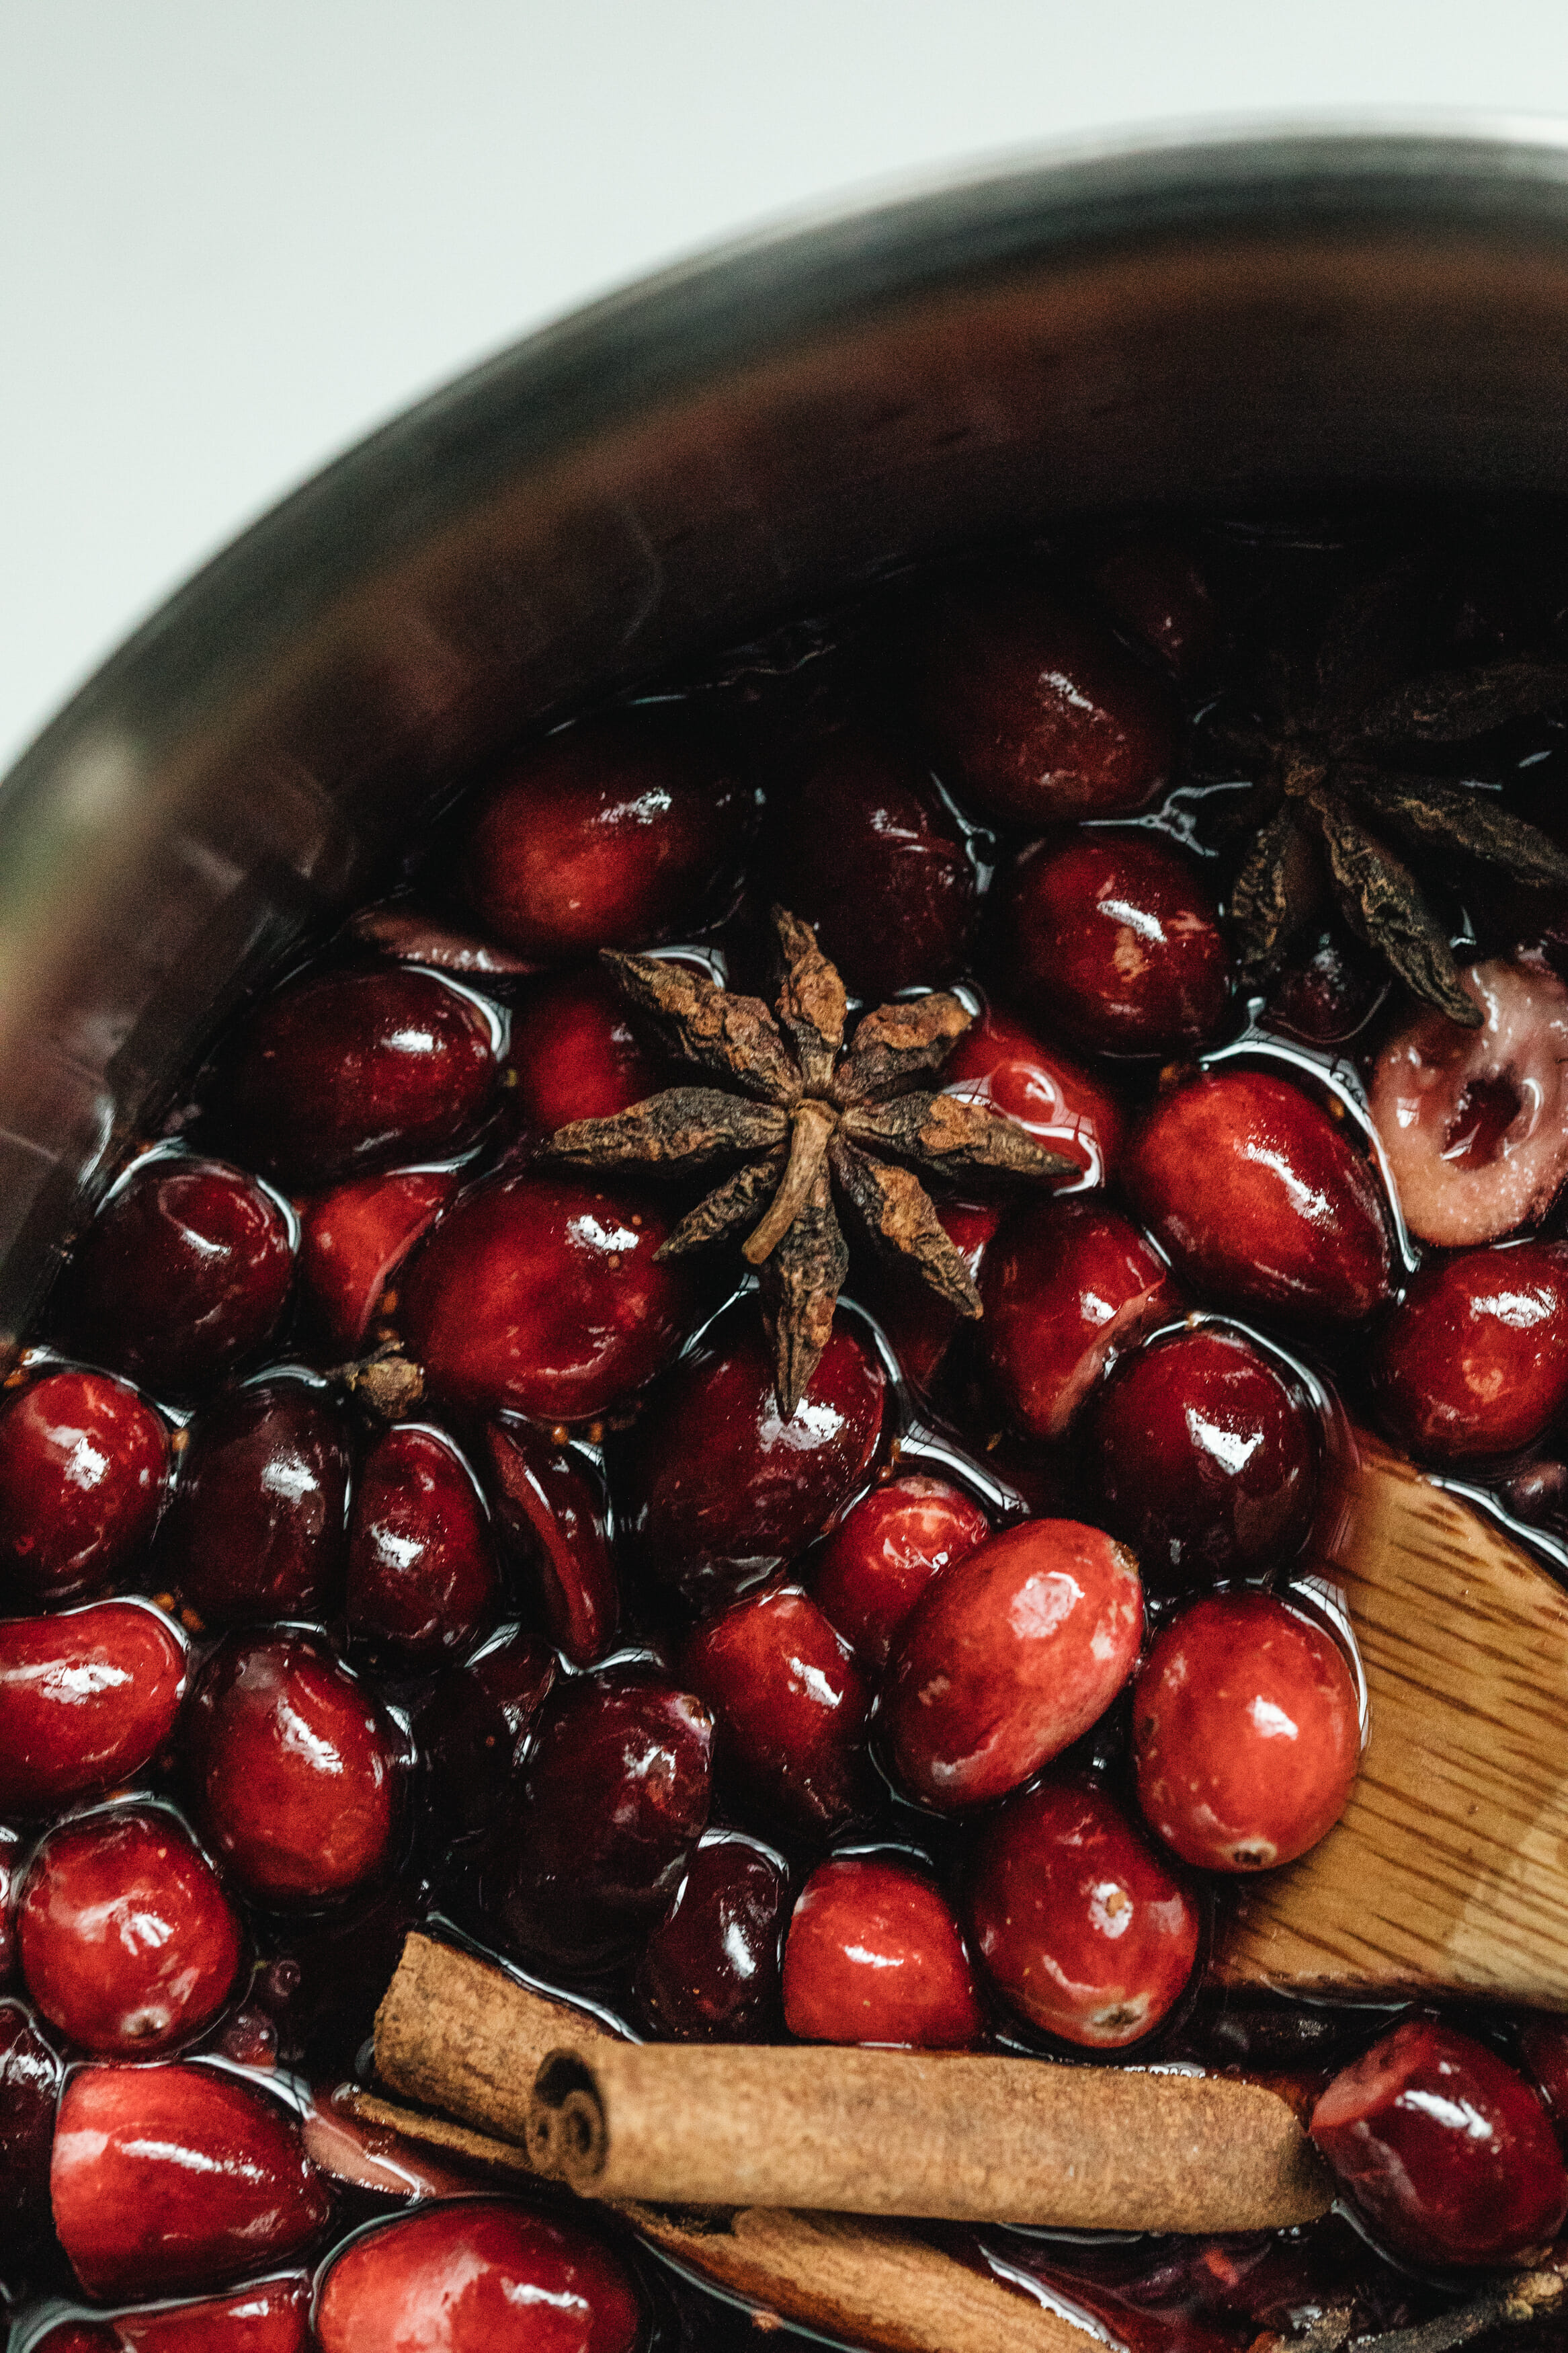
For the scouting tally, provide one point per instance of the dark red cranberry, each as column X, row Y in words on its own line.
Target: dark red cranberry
column 553, row 1514
column 920, row 1327
column 576, row 1055
column 128, row 1942
column 475, row 1727
column 613, row 1802
column 1543, row 2047
column 1061, row 1106
column 1538, row 1494
column 874, row 1954
column 1042, row 715
column 1204, row 1457
column 1329, row 993
column 1444, row 2149
column 257, row 1526
column 1068, row 1286
column 1115, row 938
column 182, row 1273
column 357, row 1237
column 296, row 1770
column 790, row 1706
column 86, row 1699
column 83, row 1464
column 350, row 1072
column 30, row 2078
column 269, row 2316
column 1474, row 1360
column 709, row 1972
column 173, row 2177
column 1261, row 1199
column 10, row 1844
column 1005, row 1659
column 482, row 2277
column 884, row 1553
column 541, row 1293
column 1079, row 1924
column 1246, row 1733
column 422, row 1578
column 611, row 833
column 411, row 934
column 1154, row 590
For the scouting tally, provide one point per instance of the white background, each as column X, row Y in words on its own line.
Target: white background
column 235, row 234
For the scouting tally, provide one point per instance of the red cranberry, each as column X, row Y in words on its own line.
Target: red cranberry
column 709, row 1972
column 1152, row 588
column 1068, row 1285
column 30, row 2086
column 475, row 1727
column 1543, row 2047
column 344, row 1074
column 885, row 1552
column 1246, row 1733
column 874, row 1954
column 1061, row 1106
column 1081, row 1926
column 356, row 1238
column 1043, row 714
column 267, row 2316
column 10, row 1858
column 576, row 1055
column 609, row 834
column 1115, row 937
column 1475, row 1358
column 541, row 1294
column 1006, row 1658
column 1329, row 993
column 422, row 1577
column 184, row 1272
column 296, row 1770
column 364, row 2156
column 554, row 1516
column 919, row 1327
column 483, row 2277
column 83, row 1464
column 1261, row 1199
column 257, row 1526
column 790, row 1705
column 128, row 1942
column 1444, row 2149
column 172, row 2177
column 1204, row 1458
column 86, row 1699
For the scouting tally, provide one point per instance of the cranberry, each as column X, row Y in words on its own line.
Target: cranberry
column 1329, row 993
column 1204, row 1458
column 576, row 1055
column 721, row 1490
column 86, row 1699
column 1006, row 1658
column 475, row 1727
column 1475, row 1358
column 609, row 834
column 128, row 1942
column 267, row 2316
column 1152, row 588
column 184, row 1272
column 83, row 1464
column 357, row 1237
column 363, row 2155
column 790, row 1705
column 30, row 2078
column 1475, row 1121
column 485, row 2277
column 874, row 1954
column 422, row 1577
column 709, row 1972
column 1081, row 1925
column 1543, row 2047
column 1061, row 1106
column 1246, row 1733
column 553, row 1513
column 918, row 1326
column 1042, row 714
column 10, row 1858
column 172, row 2177
column 1116, row 938
column 885, row 1552
column 541, row 1294
column 295, row 1769
column 1444, row 2147
column 256, row 1528
column 1260, row 1198
column 1068, row 1285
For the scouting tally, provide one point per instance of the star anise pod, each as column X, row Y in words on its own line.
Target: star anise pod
column 805, row 1117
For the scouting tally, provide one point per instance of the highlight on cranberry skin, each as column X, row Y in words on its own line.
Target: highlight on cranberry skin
column 790, row 1706
column 422, row 1577
column 11, row 1859
column 1474, row 1360
column 87, row 1697
column 884, row 1553
column 1068, row 1287
column 357, row 1236
column 710, row 1971
column 1000, row 1061
column 1444, row 2149
column 84, row 1465
column 874, row 1954
column 257, row 1526
column 477, row 2276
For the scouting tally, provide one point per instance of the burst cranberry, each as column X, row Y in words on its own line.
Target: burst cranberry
column 885, row 1552
column 1042, row 715
column 267, row 2316
column 256, row 1528
column 999, row 1062
column 541, row 1294
column 356, row 1238
column 920, row 1327
column 1329, row 993
column 422, row 1577
column 1081, row 1925
column 10, row 1858
column 874, row 1954
column 1154, row 589
column 1260, row 1198
column 174, row 2177
column 86, row 1699
column 1444, row 2149
column 790, row 1706
column 1007, row 1658
column 1475, row 1358
column 482, row 2277
column 128, row 1942
column 576, row 1055
column 363, row 2155
column 1204, row 1458
column 1116, row 938
column 1068, row 1285
column 184, row 1272
column 83, row 1463
column 554, row 1515
column 29, row 2087
column 709, row 1972
column 296, row 1769
column 473, row 1729
column 1246, row 1733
